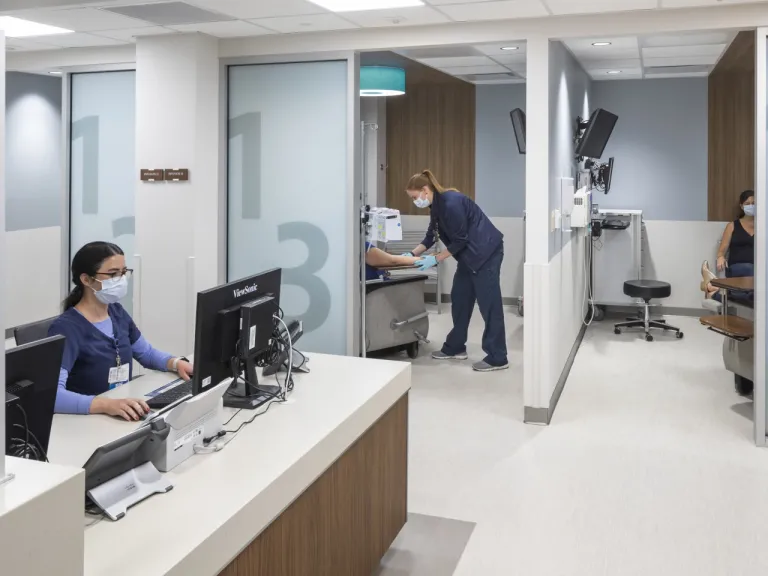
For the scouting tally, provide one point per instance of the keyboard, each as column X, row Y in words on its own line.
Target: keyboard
column 170, row 396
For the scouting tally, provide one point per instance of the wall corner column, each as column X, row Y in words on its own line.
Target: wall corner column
column 536, row 289
column 179, row 225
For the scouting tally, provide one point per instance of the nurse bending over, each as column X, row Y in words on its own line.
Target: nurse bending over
column 477, row 245
column 102, row 339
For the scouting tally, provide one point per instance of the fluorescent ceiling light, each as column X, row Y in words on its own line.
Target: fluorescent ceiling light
column 601, row 43
column 614, row 71
column 57, row 72
column 360, row 5
column 509, row 47
column 19, row 28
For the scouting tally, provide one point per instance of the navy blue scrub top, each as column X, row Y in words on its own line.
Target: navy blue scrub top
column 89, row 354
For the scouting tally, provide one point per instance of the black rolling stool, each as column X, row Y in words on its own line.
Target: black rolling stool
column 647, row 290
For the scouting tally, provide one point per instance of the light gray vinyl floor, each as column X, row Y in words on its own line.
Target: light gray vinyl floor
column 649, row 467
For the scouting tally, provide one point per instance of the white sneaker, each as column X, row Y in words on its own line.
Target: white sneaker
column 441, row 356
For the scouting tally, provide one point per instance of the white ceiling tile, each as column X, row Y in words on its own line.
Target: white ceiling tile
column 613, row 64
column 251, row 9
column 677, row 75
column 617, row 54
column 495, row 10
column 77, row 40
column 232, row 29
column 83, row 19
column 458, row 61
column 695, row 39
column 461, row 70
column 397, row 17
column 310, row 23
column 24, row 45
column 681, row 61
column 673, row 51
column 510, row 81
column 130, row 34
column 585, row 46
column 626, row 73
column 559, row 7
column 508, row 59
column 496, row 48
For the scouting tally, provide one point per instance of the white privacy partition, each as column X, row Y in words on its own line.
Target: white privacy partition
column 102, row 162
column 289, row 195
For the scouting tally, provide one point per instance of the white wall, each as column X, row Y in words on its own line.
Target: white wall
column 178, row 225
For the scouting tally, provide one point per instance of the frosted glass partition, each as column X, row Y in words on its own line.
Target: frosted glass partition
column 288, row 197
column 102, row 162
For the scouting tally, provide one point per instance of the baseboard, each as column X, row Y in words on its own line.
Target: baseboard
column 656, row 310
column 543, row 416
column 431, row 298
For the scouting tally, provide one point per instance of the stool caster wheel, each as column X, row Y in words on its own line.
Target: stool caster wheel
column 413, row 350
column 616, row 331
column 648, row 338
column 679, row 335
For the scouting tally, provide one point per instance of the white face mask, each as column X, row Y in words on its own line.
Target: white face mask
column 749, row 209
column 421, row 202
column 112, row 290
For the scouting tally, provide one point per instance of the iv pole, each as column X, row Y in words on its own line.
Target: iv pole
column 365, row 209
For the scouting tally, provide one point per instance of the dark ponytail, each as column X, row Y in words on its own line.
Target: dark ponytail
column 87, row 261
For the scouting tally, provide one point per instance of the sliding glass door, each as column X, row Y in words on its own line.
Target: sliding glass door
column 288, row 191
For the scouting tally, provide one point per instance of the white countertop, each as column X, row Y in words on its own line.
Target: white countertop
column 221, row 501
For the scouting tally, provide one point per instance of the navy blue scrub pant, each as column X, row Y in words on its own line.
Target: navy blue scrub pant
column 483, row 286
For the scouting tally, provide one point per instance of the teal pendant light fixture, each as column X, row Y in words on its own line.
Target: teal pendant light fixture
column 381, row 81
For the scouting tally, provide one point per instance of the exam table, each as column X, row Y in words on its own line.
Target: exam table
column 735, row 323
column 396, row 315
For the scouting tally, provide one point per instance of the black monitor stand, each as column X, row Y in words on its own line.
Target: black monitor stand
column 245, row 392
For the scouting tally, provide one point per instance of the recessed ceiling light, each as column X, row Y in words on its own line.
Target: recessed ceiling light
column 601, row 43
column 614, row 71
column 510, row 47
column 360, row 5
column 19, row 28
column 57, row 72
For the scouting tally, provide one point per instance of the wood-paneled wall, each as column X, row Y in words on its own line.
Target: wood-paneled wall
column 732, row 128
column 432, row 126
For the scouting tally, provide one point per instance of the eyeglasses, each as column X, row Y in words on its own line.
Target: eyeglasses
column 127, row 272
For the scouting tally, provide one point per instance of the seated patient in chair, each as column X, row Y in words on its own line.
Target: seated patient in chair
column 375, row 259
column 736, row 255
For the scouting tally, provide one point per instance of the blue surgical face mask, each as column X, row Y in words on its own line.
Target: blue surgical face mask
column 421, row 202
column 749, row 209
column 112, row 290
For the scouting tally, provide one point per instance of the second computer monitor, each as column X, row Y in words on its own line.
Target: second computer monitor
column 217, row 327
column 32, row 376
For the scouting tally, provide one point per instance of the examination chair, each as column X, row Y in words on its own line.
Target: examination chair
column 396, row 315
column 737, row 328
column 647, row 290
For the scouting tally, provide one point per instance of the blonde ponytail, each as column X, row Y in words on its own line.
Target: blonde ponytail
column 425, row 178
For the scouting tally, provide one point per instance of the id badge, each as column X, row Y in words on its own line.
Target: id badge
column 118, row 376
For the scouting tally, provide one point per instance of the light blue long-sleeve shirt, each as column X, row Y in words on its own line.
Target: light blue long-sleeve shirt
column 69, row 402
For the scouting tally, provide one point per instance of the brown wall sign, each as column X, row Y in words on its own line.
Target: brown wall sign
column 177, row 174
column 152, row 175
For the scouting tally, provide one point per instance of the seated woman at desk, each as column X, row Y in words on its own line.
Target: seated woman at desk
column 375, row 259
column 101, row 338
column 736, row 255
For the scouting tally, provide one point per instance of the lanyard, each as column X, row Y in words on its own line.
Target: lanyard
column 116, row 342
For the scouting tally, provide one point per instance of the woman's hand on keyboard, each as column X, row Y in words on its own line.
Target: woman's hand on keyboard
column 130, row 409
